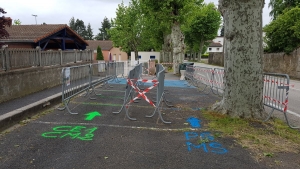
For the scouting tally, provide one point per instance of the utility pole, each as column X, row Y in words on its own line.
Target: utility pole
column 35, row 18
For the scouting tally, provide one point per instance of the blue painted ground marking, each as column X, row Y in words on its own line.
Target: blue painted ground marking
column 209, row 147
column 168, row 83
column 194, row 122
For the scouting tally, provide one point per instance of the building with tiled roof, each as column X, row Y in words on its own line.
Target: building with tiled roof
column 108, row 50
column 48, row 36
column 216, row 45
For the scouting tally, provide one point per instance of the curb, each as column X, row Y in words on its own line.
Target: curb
column 11, row 118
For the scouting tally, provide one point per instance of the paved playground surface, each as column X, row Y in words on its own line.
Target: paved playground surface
column 58, row 139
column 98, row 138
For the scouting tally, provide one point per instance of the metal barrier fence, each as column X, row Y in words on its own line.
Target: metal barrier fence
column 132, row 88
column 13, row 58
column 276, row 94
column 79, row 79
column 276, row 86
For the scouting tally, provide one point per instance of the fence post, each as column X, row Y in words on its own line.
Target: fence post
column 61, row 59
column 6, row 59
column 91, row 54
column 75, row 53
column 3, row 58
column 39, row 55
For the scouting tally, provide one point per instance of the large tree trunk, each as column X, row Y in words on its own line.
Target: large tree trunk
column 178, row 46
column 200, row 50
column 167, row 48
column 243, row 79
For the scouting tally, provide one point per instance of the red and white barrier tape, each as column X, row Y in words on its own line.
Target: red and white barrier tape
column 283, row 103
column 142, row 94
column 276, row 82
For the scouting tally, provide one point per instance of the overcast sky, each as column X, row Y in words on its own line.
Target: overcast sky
column 61, row 11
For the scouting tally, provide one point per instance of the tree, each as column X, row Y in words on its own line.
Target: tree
column 4, row 21
column 203, row 26
column 172, row 12
column 72, row 24
column 17, row 22
column 127, row 31
column 283, row 34
column 79, row 27
column 99, row 53
column 106, row 25
column 89, row 32
column 279, row 6
column 243, row 77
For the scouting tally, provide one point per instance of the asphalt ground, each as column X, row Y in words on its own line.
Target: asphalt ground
column 57, row 139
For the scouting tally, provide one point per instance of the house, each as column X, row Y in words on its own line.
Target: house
column 107, row 50
column 216, row 45
column 48, row 36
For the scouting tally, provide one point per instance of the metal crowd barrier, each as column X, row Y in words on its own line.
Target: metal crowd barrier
column 132, row 88
column 120, row 67
column 75, row 80
column 275, row 94
column 78, row 79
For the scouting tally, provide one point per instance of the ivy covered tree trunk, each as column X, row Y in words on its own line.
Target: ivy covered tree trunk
column 178, row 46
column 243, row 79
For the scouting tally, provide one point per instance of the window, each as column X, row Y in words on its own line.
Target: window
column 152, row 57
column 140, row 56
column 209, row 49
column 218, row 49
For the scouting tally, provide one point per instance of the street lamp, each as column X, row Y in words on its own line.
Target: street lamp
column 35, row 18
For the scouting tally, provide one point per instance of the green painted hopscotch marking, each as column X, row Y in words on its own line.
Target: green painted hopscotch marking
column 74, row 132
column 92, row 115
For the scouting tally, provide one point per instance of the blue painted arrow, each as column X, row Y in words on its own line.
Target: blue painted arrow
column 194, row 122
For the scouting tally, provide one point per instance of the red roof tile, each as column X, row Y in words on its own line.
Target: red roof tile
column 35, row 33
column 105, row 45
column 214, row 44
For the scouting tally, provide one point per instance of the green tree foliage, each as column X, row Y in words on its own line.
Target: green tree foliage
column 17, row 22
column 4, row 22
column 89, row 32
column 279, row 6
column 106, row 25
column 99, row 53
column 128, row 24
column 72, row 23
column 283, row 34
column 203, row 26
column 79, row 27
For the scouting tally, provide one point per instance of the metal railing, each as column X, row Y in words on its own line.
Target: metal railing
column 84, row 78
column 275, row 90
column 133, row 90
column 13, row 58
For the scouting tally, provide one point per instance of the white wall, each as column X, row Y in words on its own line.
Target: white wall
column 145, row 56
column 214, row 49
column 218, row 39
